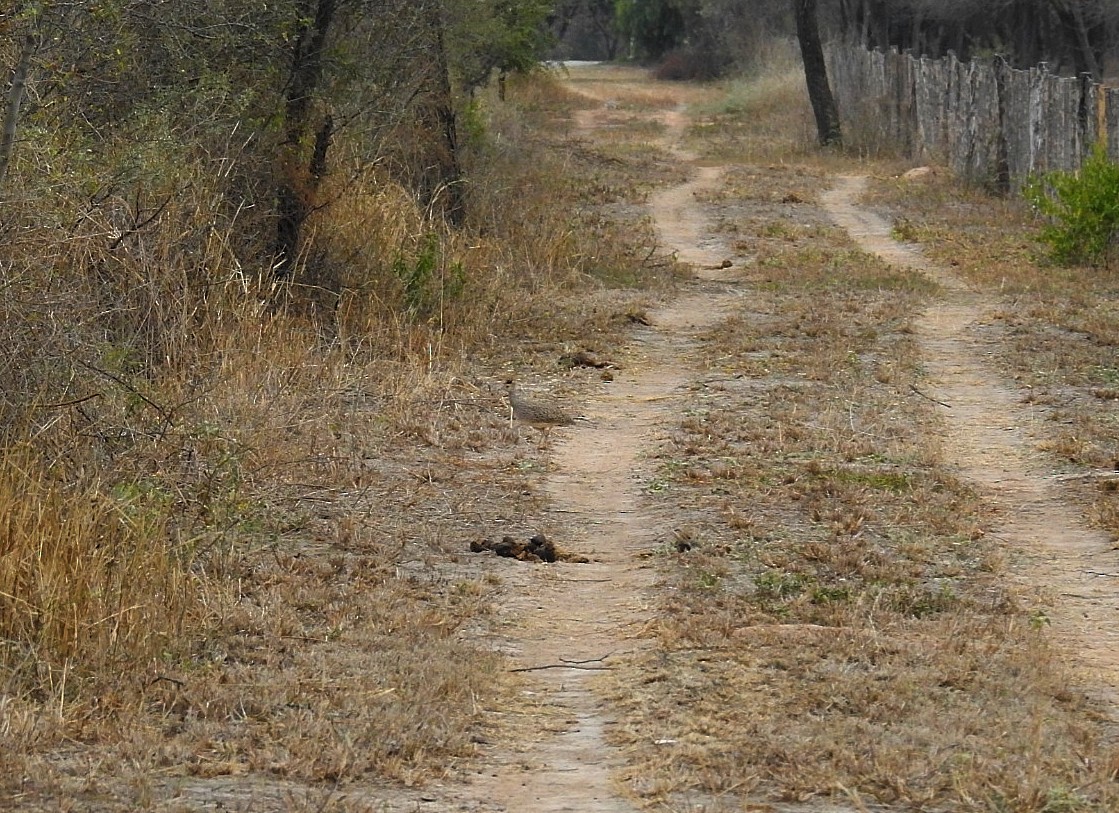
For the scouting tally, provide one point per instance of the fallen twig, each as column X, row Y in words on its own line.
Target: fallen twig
column 75, row 402
column 929, row 397
column 566, row 664
column 166, row 414
column 561, row 666
column 589, row 660
column 174, row 681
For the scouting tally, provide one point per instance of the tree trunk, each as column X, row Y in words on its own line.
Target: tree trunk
column 604, row 23
column 1026, row 34
column 16, row 91
column 876, row 23
column 302, row 165
column 440, row 176
column 1087, row 62
column 816, row 73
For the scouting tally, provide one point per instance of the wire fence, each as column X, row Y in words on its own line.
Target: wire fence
column 990, row 123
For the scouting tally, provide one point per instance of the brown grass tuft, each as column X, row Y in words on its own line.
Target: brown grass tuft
column 91, row 578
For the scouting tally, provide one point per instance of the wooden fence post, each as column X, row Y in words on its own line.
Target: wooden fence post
column 1002, row 159
column 991, row 123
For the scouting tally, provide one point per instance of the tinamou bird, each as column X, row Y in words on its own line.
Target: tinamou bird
column 535, row 412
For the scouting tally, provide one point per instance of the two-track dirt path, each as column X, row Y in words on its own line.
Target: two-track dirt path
column 990, row 437
column 570, row 622
column 576, row 620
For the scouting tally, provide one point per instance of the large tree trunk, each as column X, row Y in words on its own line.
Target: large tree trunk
column 1072, row 14
column 816, row 73
column 303, row 160
column 876, row 23
column 440, row 175
column 1025, row 33
column 16, row 91
column 562, row 15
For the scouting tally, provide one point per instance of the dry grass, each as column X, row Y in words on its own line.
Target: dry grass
column 622, row 87
column 236, row 520
column 235, row 563
column 757, row 119
column 1054, row 330
column 841, row 625
column 721, row 131
column 82, row 589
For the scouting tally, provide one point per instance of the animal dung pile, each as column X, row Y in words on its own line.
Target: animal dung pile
column 537, row 549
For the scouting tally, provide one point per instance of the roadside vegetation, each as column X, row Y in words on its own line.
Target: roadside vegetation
column 235, row 509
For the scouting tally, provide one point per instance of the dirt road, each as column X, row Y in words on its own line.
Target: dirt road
column 570, row 625
column 991, row 436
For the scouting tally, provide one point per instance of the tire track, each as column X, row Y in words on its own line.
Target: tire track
column 988, row 435
column 573, row 618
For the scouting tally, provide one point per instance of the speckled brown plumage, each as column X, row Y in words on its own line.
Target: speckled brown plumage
column 536, row 412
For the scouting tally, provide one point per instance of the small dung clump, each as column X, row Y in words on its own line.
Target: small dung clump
column 538, row 548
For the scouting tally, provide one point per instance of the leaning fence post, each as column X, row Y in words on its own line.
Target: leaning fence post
column 1086, row 123
column 1002, row 157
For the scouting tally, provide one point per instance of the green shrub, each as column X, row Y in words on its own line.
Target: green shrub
column 1082, row 210
column 430, row 280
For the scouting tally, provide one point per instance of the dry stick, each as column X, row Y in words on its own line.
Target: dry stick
column 137, row 224
column 566, row 664
column 171, row 680
column 75, row 402
column 589, row 660
column 16, row 92
column 166, row 414
column 929, row 397
column 561, row 665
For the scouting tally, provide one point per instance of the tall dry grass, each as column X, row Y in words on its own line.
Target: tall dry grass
column 146, row 382
column 200, row 467
column 764, row 115
column 91, row 577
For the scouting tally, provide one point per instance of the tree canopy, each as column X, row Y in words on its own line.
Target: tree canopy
column 105, row 91
column 1071, row 35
